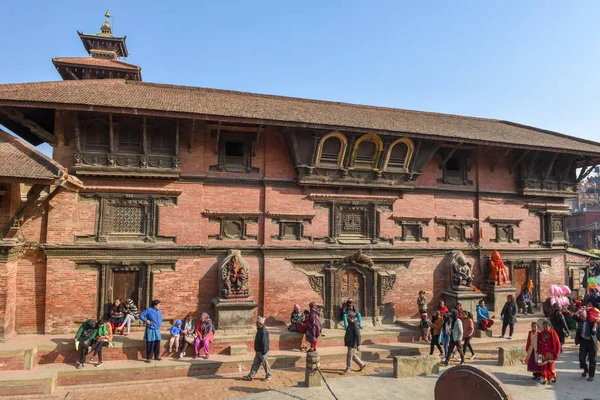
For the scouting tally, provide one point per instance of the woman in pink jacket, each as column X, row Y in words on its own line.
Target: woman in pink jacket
column 468, row 330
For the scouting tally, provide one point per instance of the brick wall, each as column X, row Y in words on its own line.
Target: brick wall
column 8, row 293
column 71, row 295
column 31, row 293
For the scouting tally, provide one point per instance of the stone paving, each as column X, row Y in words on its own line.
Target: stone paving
column 374, row 382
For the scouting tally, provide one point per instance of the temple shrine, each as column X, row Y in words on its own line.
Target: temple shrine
column 242, row 204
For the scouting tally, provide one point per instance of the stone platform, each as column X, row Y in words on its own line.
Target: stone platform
column 24, row 352
column 46, row 379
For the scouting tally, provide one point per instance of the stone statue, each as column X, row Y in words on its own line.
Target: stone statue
column 234, row 276
column 461, row 270
column 498, row 271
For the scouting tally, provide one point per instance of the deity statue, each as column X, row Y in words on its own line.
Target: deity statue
column 498, row 271
column 234, row 276
column 461, row 270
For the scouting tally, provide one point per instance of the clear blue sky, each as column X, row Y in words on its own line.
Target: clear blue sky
column 533, row 62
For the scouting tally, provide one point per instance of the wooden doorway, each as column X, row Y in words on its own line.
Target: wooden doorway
column 352, row 287
column 126, row 285
column 123, row 282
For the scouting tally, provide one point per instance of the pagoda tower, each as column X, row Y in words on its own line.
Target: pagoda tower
column 105, row 51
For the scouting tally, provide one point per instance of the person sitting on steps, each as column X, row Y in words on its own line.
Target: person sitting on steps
column 524, row 301
column 348, row 307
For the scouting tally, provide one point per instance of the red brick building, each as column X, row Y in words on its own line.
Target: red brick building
column 174, row 177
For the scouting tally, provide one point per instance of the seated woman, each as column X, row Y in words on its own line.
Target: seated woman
column 130, row 312
column 116, row 313
column 349, row 307
column 104, row 339
column 484, row 321
column 205, row 331
column 297, row 320
column 188, row 333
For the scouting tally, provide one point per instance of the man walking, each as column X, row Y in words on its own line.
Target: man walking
column 588, row 346
column 352, row 342
column 261, row 348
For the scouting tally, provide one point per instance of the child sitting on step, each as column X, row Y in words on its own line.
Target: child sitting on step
column 175, row 335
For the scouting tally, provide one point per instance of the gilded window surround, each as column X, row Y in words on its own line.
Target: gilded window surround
column 343, row 147
column 370, row 137
column 410, row 150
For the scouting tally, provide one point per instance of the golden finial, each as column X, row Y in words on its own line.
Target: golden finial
column 106, row 29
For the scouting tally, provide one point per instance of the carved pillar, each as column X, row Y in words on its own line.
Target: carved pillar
column 111, row 134
column 145, row 136
column 177, row 139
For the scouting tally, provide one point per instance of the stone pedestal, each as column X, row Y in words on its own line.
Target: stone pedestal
column 496, row 295
column 312, row 377
column 234, row 314
column 468, row 298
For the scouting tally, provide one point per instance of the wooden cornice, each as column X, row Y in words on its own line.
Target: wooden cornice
column 445, row 220
column 512, row 221
column 18, row 117
column 241, row 214
column 410, row 218
column 289, row 215
column 350, row 197
column 129, row 189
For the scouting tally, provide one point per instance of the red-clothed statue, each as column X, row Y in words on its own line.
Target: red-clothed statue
column 498, row 271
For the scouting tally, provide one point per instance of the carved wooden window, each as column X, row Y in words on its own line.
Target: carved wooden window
column 235, row 152
column 291, row 226
column 129, row 132
column 232, row 225
column 126, row 217
column 332, row 149
column 455, row 168
column 558, row 228
column 412, row 228
column 505, row 229
column 456, row 230
column 399, row 154
column 95, row 132
column 161, row 135
column 367, row 151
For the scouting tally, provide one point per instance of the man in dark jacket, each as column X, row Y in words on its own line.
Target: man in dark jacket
column 524, row 301
column 84, row 338
column 559, row 323
column 588, row 345
column 352, row 342
column 261, row 348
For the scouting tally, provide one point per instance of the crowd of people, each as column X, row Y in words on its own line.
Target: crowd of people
column 450, row 331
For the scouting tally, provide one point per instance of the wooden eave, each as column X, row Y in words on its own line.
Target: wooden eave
column 291, row 124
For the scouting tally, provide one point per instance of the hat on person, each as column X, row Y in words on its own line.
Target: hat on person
column 261, row 320
column 297, row 307
column 424, row 315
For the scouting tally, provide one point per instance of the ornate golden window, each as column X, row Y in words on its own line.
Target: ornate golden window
column 399, row 154
column 332, row 149
column 366, row 151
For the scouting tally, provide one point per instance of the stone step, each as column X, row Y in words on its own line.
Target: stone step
column 44, row 379
column 51, row 349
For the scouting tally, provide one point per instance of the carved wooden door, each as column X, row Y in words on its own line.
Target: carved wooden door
column 126, row 286
column 520, row 278
column 351, row 286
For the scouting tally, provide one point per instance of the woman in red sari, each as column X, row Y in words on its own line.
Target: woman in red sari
column 549, row 348
column 532, row 351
